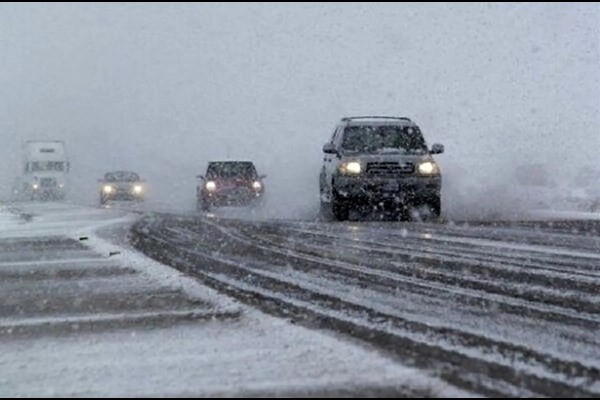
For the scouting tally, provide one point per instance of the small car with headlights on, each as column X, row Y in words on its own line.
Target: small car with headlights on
column 122, row 186
column 379, row 163
column 230, row 183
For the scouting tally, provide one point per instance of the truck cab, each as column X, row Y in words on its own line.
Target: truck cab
column 46, row 168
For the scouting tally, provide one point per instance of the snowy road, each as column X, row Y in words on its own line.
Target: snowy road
column 498, row 309
column 83, row 314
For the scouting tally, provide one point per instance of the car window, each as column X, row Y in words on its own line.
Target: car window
column 122, row 177
column 231, row 170
column 335, row 136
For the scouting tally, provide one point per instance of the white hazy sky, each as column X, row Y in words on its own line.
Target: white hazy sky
column 163, row 88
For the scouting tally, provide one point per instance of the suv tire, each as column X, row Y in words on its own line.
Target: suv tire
column 435, row 206
column 339, row 209
column 202, row 206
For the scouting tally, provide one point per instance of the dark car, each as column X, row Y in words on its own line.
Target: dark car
column 379, row 163
column 122, row 185
column 230, row 183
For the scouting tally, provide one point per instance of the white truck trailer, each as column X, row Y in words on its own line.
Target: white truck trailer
column 46, row 168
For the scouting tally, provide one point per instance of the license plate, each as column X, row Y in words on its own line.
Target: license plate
column 391, row 187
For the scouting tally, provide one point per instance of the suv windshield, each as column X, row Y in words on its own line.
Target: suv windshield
column 227, row 170
column 379, row 138
column 122, row 177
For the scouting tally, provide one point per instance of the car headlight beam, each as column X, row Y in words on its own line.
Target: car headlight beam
column 428, row 168
column 351, row 168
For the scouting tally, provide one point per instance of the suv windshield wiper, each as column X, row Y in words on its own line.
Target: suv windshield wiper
column 385, row 150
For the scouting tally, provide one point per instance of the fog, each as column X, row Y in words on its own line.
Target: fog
column 164, row 88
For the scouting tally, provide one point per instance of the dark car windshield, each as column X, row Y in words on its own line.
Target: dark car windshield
column 380, row 138
column 227, row 170
column 122, row 177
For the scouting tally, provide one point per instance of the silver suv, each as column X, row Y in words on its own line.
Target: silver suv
column 379, row 163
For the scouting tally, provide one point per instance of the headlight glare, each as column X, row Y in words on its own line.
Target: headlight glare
column 428, row 168
column 351, row 168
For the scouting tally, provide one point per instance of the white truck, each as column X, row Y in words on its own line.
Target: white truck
column 46, row 168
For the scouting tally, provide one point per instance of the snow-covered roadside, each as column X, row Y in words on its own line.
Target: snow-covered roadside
column 324, row 378
column 255, row 354
column 8, row 218
column 565, row 215
column 106, row 243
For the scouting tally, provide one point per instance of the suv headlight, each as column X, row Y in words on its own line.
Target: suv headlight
column 211, row 186
column 428, row 168
column 351, row 168
column 138, row 189
column 107, row 189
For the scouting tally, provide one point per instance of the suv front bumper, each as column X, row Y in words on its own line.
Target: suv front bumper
column 242, row 197
column 370, row 190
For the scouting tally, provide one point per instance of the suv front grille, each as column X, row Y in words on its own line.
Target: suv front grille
column 48, row 182
column 389, row 168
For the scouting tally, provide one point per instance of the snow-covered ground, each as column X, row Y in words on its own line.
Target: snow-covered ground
column 7, row 219
column 62, row 337
column 564, row 215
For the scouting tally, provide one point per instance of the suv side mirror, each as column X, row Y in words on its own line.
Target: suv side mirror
column 200, row 176
column 437, row 148
column 263, row 176
column 329, row 148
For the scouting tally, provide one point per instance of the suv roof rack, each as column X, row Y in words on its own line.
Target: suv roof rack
column 376, row 117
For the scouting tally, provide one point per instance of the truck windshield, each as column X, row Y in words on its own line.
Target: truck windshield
column 378, row 138
column 47, row 166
